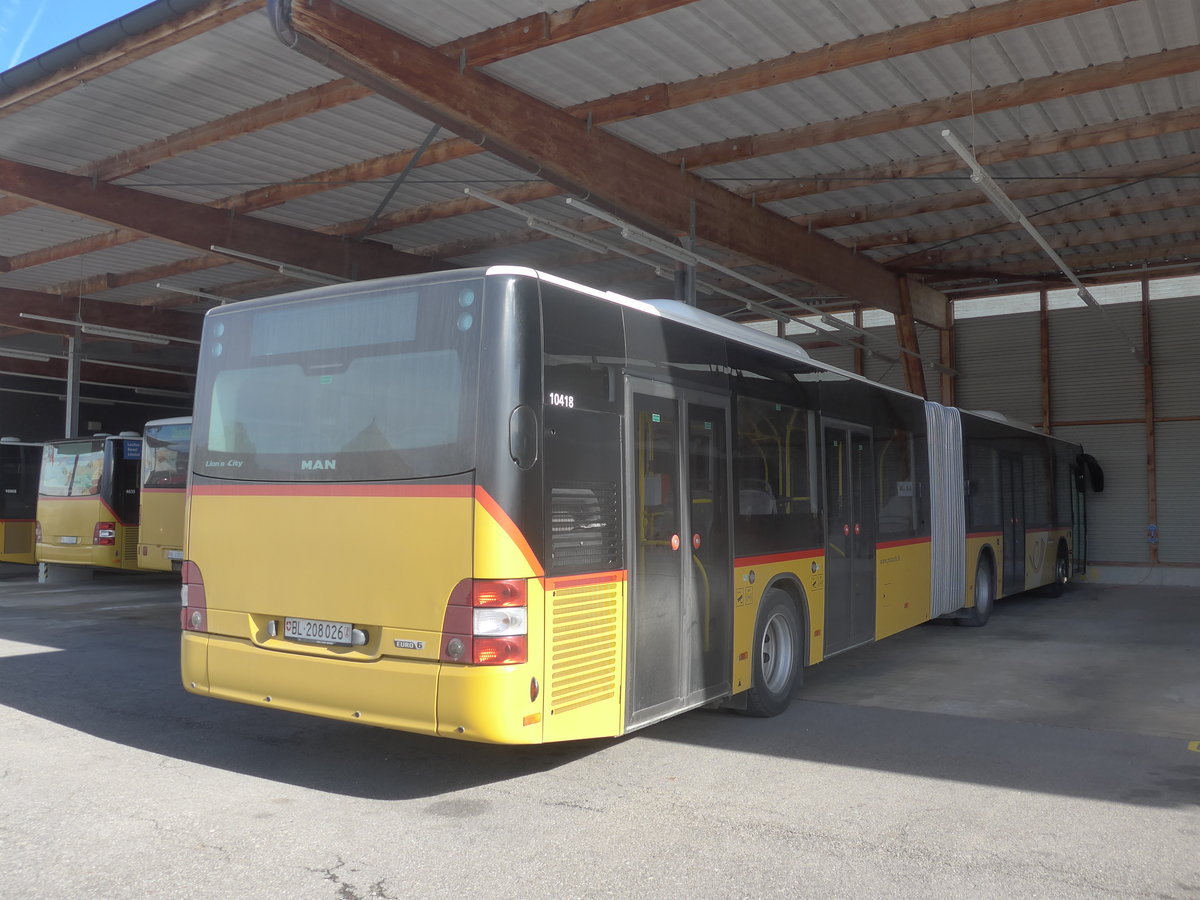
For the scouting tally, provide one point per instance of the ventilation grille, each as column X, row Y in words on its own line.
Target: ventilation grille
column 584, row 623
column 585, row 531
column 129, row 551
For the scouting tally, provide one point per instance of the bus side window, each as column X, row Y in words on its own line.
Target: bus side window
column 898, row 500
column 774, row 502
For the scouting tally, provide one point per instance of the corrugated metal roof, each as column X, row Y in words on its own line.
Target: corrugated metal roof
column 241, row 65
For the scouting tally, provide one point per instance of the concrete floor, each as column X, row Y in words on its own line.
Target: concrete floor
column 1053, row 754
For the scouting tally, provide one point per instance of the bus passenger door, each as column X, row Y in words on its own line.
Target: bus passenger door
column 849, row 537
column 680, row 613
column 1012, row 524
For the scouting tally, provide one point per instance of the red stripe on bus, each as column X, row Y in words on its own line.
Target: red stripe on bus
column 162, row 490
column 510, row 528
column 18, row 521
column 333, row 490
column 982, row 534
column 776, row 558
column 887, row 545
column 570, row 581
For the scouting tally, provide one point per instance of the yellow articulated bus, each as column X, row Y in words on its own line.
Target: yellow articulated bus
column 87, row 508
column 165, row 445
column 495, row 505
column 20, row 463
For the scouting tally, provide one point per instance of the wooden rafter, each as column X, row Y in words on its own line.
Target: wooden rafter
column 1087, row 211
column 587, row 161
column 996, row 250
column 94, row 312
column 1102, row 134
column 201, row 227
column 1164, row 64
column 491, row 45
column 1090, row 180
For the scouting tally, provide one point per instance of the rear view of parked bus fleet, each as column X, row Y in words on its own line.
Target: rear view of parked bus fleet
column 165, row 445
column 87, row 507
column 499, row 506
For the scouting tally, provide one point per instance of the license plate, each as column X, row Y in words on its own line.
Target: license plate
column 174, row 554
column 65, row 539
column 317, row 631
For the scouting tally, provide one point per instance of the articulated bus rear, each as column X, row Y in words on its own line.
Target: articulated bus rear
column 87, row 509
column 165, row 445
column 19, row 466
column 351, row 549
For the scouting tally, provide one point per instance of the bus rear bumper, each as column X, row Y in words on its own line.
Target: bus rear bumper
column 390, row 693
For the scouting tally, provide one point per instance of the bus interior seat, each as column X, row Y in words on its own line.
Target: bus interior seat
column 755, row 498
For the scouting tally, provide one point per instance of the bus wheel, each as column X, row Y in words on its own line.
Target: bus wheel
column 985, row 596
column 1062, row 572
column 776, row 653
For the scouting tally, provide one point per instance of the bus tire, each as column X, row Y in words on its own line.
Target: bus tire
column 777, row 665
column 985, row 596
column 1062, row 571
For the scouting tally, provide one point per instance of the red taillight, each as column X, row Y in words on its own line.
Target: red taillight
column 501, row 651
column 193, row 614
column 511, row 592
column 487, row 623
column 105, row 534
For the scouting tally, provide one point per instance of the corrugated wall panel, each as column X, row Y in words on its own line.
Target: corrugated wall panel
column 1178, row 491
column 1093, row 373
column 999, row 365
column 1117, row 517
column 1174, row 328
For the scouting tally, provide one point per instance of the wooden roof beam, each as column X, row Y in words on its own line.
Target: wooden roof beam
column 201, row 227
column 1102, row 134
column 94, row 312
column 1076, row 212
column 996, row 250
column 1135, row 70
column 1016, row 190
column 96, row 372
column 587, row 161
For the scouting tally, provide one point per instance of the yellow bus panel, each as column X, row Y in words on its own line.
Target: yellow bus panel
column 16, row 542
column 68, row 526
column 751, row 578
column 160, row 538
column 902, row 585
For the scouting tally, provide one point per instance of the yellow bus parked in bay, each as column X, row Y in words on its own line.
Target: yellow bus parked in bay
column 87, row 507
column 20, row 463
column 496, row 505
column 165, row 444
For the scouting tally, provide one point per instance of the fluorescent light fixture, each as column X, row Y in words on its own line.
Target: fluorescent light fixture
column 110, row 331
column 161, row 392
column 25, row 354
column 1006, row 206
column 203, row 295
column 297, row 272
column 139, row 336
column 91, row 360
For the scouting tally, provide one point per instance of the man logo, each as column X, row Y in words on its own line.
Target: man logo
column 318, row 464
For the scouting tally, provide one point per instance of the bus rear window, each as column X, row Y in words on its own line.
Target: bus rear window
column 165, row 456
column 342, row 384
column 72, row 470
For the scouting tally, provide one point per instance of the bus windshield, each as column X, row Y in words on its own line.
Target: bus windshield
column 165, row 458
column 72, row 470
column 341, row 384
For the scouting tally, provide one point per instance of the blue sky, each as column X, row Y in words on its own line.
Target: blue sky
column 31, row 27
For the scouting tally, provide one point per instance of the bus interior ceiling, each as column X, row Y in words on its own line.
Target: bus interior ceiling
column 788, row 165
